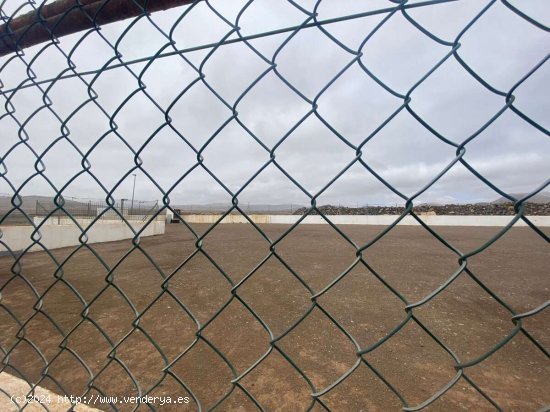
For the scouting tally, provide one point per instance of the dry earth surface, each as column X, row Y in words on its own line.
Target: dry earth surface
column 139, row 307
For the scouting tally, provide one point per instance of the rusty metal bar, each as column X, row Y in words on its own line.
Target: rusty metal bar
column 64, row 17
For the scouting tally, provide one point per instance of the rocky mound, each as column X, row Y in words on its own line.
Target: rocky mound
column 532, row 209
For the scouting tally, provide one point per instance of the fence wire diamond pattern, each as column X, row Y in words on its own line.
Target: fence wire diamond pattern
column 87, row 17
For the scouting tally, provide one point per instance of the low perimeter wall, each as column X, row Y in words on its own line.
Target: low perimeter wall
column 62, row 232
column 383, row 220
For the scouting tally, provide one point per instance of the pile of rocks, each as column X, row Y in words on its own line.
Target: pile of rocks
column 531, row 209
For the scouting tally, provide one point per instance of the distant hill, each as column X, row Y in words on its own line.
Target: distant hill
column 46, row 203
column 28, row 205
column 222, row 207
column 539, row 198
column 29, row 202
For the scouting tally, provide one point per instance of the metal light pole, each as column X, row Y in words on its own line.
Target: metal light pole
column 133, row 191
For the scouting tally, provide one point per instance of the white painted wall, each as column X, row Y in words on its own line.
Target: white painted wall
column 62, row 232
column 169, row 215
column 384, row 220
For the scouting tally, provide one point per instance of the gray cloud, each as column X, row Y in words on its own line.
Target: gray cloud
column 500, row 47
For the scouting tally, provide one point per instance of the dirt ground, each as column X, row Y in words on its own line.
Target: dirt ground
column 175, row 299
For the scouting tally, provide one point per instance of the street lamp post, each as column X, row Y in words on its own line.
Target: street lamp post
column 133, row 191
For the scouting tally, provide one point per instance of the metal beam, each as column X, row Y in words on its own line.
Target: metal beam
column 64, row 17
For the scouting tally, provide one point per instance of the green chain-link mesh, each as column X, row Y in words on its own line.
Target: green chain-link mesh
column 170, row 48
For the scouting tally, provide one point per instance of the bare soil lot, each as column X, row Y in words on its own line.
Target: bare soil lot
column 118, row 326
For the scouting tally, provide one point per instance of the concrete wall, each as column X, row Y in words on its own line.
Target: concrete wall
column 169, row 215
column 384, row 220
column 61, row 232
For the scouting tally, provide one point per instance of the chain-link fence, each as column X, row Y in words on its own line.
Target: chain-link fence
column 79, row 208
column 188, row 320
column 92, row 208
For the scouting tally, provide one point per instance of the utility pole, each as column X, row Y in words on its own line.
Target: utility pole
column 133, row 191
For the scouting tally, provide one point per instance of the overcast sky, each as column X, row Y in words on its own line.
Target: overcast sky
column 501, row 47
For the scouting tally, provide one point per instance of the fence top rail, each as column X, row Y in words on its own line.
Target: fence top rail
column 63, row 17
